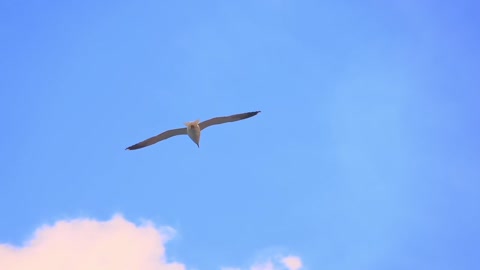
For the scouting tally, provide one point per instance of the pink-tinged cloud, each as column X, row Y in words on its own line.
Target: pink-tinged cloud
column 278, row 263
column 292, row 262
column 116, row 244
column 88, row 244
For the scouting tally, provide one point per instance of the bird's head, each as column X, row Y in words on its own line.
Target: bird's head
column 193, row 124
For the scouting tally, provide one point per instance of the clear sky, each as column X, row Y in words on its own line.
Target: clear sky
column 366, row 154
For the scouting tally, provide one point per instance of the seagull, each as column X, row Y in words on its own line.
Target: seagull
column 193, row 129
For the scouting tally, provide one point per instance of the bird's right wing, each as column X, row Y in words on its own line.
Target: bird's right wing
column 162, row 136
column 226, row 119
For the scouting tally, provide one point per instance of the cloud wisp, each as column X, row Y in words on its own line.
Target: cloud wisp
column 278, row 263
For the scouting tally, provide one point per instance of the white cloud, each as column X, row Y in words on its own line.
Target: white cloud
column 292, row 262
column 116, row 244
column 89, row 244
column 279, row 263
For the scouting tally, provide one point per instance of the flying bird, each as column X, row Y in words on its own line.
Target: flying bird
column 193, row 129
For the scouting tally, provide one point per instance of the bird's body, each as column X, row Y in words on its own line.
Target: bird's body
column 192, row 129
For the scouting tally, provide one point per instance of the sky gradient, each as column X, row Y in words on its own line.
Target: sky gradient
column 366, row 154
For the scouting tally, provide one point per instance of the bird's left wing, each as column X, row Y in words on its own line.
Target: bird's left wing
column 162, row 136
column 226, row 119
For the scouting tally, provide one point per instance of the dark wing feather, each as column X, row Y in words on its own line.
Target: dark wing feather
column 226, row 119
column 162, row 136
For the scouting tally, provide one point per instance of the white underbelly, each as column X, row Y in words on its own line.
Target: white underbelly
column 194, row 134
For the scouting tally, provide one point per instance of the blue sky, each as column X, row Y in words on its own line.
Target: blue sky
column 365, row 156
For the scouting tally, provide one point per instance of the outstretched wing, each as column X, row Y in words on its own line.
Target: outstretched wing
column 162, row 136
column 226, row 119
